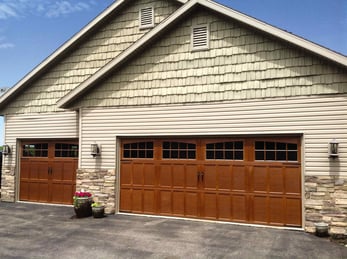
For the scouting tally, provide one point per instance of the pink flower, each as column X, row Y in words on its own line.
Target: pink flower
column 83, row 194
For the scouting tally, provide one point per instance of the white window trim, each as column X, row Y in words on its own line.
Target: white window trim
column 204, row 47
column 146, row 26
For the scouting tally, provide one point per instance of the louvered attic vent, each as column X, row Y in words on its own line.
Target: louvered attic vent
column 200, row 37
column 146, row 17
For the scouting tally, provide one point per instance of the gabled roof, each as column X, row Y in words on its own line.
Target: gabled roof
column 150, row 36
column 187, row 6
column 61, row 51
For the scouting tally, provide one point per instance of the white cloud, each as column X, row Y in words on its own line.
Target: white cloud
column 49, row 9
column 7, row 11
column 6, row 45
column 64, row 8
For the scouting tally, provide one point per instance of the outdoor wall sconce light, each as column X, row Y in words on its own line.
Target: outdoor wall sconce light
column 94, row 150
column 6, row 150
column 334, row 148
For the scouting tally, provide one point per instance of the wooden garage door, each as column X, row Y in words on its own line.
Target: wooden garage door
column 249, row 180
column 48, row 171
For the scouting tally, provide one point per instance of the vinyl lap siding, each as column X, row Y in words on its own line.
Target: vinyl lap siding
column 241, row 64
column 39, row 126
column 319, row 119
column 98, row 49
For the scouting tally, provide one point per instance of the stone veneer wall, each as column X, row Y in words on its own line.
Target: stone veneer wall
column 101, row 183
column 326, row 201
column 8, row 184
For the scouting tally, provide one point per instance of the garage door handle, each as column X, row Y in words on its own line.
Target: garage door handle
column 200, row 176
column 50, row 170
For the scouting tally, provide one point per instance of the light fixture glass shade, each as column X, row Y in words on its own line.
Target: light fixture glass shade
column 94, row 150
column 334, row 148
column 6, row 150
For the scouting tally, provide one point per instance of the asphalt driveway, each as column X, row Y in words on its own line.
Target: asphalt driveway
column 41, row 231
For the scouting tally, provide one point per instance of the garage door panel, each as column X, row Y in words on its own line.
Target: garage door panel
column 260, row 209
column 149, row 201
column 239, row 178
column 25, row 170
column 39, row 171
column 38, row 192
column 276, row 210
column 24, row 191
column 64, row 170
column 149, row 175
column 293, row 180
column 165, row 201
column 178, row 175
column 191, row 176
column 165, row 172
column 210, row 177
column 137, row 204
column 209, row 205
column 126, row 174
column 293, row 211
column 239, row 208
column 259, row 179
column 126, row 200
column 178, row 204
column 191, row 204
column 138, row 175
column 224, row 206
column 62, row 192
column 276, row 180
column 224, row 177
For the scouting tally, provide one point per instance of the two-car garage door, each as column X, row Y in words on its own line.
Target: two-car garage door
column 249, row 180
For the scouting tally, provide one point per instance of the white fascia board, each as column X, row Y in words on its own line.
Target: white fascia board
column 262, row 26
column 63, row 102
column 60, row 51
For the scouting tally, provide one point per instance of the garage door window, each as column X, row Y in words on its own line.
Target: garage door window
column 35, row 150
column 276, row 151
column 225, row 151
column 66, row 150
column 179, row 150
column 138, row 150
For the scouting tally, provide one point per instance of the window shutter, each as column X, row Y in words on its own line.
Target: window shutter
column 146, row 17
column 200, row 37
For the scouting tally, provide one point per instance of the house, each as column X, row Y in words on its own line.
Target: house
column 187, row 109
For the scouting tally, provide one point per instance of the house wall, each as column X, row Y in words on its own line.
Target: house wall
column 240, row 64
column 318, row 118
column 63, row 125
column 87, row 57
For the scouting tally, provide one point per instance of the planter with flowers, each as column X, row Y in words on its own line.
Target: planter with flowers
column 98, row 210
column 82, row 202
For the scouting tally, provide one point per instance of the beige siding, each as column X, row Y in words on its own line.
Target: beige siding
column 63, row 125
column 318, row 119
column 241, row 64
column 115, row 36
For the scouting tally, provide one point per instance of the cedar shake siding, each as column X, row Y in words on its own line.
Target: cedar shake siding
column 105, row 43
column 240, row 64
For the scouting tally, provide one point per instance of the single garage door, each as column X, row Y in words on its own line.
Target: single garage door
column 248, row 180
column 48, row 171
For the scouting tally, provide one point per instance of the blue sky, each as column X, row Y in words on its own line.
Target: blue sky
column 30, row 30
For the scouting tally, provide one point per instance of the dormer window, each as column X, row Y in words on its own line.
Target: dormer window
column 200, row 37
column 146, row 18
